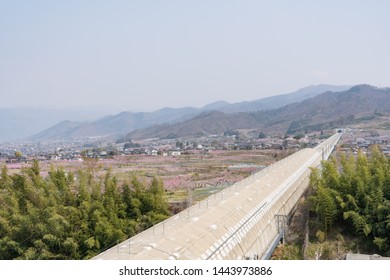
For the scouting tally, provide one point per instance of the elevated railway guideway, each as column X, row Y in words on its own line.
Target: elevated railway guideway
column 244, row 221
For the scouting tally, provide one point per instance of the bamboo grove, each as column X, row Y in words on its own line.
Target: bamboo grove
column 73, row 216
column 353, row 192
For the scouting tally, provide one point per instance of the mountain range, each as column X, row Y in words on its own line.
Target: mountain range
column 274, row 102
column 325, row 110
column 125, row 122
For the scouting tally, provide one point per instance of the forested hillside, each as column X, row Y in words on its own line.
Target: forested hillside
column 72, row 216
column 351, row 194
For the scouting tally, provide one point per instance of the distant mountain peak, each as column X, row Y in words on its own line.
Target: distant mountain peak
column 216, row 105
column 358, row 88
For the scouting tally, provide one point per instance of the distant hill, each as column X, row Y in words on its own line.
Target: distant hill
column 278, row 101
column 127, row 121
column 60, row 130
column 207, row 123
column 114, row 124
column 319, row 112
column 19, row 123
column 336, row 109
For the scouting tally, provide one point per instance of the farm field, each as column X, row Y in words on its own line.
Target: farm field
column 187, row 178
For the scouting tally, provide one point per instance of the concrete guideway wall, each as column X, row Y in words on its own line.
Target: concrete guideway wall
column 238, row 222
column 326, row 147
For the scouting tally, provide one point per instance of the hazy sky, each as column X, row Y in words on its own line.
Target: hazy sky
column 145, row 55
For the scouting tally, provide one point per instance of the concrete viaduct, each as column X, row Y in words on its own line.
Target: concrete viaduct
column 244, row 221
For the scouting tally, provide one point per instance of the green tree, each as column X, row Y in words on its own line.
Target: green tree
column 67, row 216
column 355, row 191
